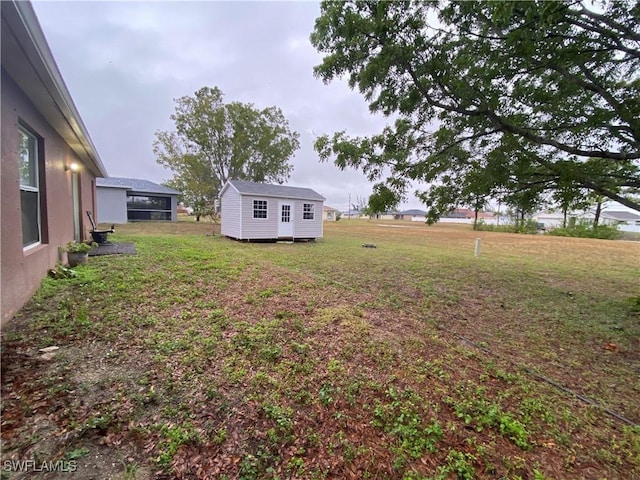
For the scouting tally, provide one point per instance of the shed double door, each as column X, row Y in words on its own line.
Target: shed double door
column 285, row 219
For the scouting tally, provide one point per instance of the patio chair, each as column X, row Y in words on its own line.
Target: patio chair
column 99, row 236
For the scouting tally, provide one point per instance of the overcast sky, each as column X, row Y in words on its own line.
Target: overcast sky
column 125, row 63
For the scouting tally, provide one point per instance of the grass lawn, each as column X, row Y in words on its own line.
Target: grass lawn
column 202, row 357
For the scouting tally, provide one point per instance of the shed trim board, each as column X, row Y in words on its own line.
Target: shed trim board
column 238, row 212
column 286, row 218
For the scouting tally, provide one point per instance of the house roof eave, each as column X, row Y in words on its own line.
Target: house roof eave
column 27, row 58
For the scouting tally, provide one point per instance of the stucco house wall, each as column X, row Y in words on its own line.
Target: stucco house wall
column 35, row 100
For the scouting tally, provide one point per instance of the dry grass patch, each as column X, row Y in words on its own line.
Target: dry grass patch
column 202, row 357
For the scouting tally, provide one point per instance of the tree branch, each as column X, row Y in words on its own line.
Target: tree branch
column 632, row 35
column 610, row 194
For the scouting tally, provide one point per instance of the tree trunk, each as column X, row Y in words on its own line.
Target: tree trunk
column 475, row 219
column 564, row 217
column 596, row 218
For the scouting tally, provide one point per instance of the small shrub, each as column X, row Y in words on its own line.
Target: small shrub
column 79, row 247
column 584, row 229
column 528, row 227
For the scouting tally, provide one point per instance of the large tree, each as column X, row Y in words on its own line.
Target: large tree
column 214, row 141
column 483, row 91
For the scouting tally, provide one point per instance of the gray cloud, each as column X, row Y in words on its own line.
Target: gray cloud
column 125, row 63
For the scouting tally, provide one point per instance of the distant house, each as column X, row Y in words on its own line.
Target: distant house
column 121, row 200
column 467, row 216
column 259, row 211
column 414, row 215
column 49, row 163
column 329, row 214
column 349, row 214
column 466, row 213
column 624, row 220
column 620, row 216
column 555, row 218
column 184, row 210
column 388, row 215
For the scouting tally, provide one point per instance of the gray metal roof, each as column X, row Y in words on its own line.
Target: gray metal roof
column 269, row 190
column 135, row 184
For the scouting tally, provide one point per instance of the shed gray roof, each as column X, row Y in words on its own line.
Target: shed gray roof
column 135, row 184
column 269, row 190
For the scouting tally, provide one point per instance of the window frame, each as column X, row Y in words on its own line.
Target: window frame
column 34, row 156
column 285, row 207
column 137, row 211
column 310, row 211
column 260, row 208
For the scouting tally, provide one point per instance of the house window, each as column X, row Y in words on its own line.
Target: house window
column 307, row 211
column 259, row 209
column 148, row 207
column 29, row 187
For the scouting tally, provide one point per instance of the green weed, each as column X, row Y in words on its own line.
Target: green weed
column 173, row 437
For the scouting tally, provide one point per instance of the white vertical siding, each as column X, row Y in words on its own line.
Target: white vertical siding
column 259, row 228
column 230, row 213
column 307, row 228
column 237, row 220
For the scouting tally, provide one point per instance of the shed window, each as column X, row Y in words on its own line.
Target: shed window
column 29, row 188
column 259, row 209
column 307, row 211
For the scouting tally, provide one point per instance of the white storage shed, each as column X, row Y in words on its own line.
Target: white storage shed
column 260, row 211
